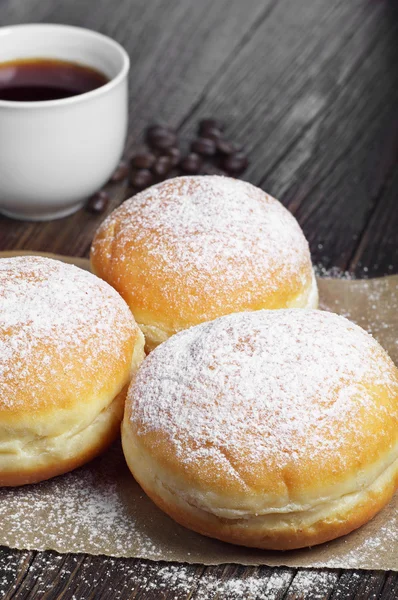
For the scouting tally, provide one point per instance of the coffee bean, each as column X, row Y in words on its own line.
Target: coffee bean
column 209, row 169
column 163, row 141
column 161, row 138
column 235, row 163
column 98, row 202
column 206, row 124
column 226, row 148
column 175, row 156
column 191, row 164
column 145, row 160
column 204, row 147
column 210, row 153
column 162, row 166
column 155, row 129
column 213, row 133
column 141, row 179
column 121, row 172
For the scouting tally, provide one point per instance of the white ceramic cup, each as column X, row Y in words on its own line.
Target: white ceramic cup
column 54, row 154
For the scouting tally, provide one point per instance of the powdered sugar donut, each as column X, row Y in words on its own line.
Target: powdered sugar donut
column 194, row 248
column 68, row 347
column 271, row 429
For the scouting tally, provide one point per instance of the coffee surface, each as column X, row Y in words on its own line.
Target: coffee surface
column 43, row 79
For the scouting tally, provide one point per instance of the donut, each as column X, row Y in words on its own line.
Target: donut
column 68, row 348
column 192, row 249
column 269, row 429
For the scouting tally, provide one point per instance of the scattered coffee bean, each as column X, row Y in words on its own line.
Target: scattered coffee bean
column 161, row 139
column 206, row 124
column 145, row 160
column 210, row 154
column 235, row 163
column 210, row 169
column 204, row 146
column 212, row 134
column 121, row 172
column 162, row 166
column 155, row 129
column 141, row 179
column 191, row 164
column 98, row 202
column 226, row 148
column 175, row 156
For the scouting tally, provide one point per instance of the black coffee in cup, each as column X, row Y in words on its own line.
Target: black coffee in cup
column 43, row 79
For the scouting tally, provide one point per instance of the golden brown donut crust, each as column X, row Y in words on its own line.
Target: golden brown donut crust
column 341, row 523
column 89, row 443
column 68, row 348
column 194, row 248
column 274, row 429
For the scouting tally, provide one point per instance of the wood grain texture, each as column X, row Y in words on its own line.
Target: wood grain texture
column 311, row 88
column 377, row 248
column 176, row 48
column 316, row 98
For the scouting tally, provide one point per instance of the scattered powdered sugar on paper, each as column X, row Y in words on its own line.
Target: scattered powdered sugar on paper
column 206, row 237
column 371, row 303
column 381, row 540
column 49, row 311
column 120, row 520
column 335, row 272
column 386, row 539
column 265, row 387
column 83, row 509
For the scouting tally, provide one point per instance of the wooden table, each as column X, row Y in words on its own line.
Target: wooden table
column 310, row 87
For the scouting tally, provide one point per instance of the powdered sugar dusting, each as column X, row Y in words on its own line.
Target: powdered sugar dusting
column 118, row 578
column 269, row 387
column 48, row 311
column 34, row 517
column 83, row 507
column 208, row 237
column 100, row 509
column 383, row 540
column 371, row 303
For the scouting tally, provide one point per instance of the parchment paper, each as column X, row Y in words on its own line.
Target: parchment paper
column 100, row 509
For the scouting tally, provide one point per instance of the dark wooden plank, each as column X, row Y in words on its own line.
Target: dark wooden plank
column 371, row 585
column 377, row 249
column 312, row 584
column 13, row 567
column 176, row 49
column 390, row 589
column 347, row 586
column 314, row 94
column 326, row 149
column 51, row 575
column 311, row 90
column 46, row 576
